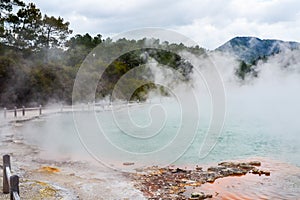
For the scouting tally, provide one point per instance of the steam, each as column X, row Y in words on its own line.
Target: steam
column 268, row 103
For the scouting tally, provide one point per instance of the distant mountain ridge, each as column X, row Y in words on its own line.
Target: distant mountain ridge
column 250, row 49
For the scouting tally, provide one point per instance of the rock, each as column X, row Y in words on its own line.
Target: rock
column 267, row 173
column 227, row 164
column 255, row 171
column 195, row 194
column 181, row 191
column 198, row 168
column 246, row 166
column 128, row 163
column 177, row 170
column 216, row 169
column 238, row 172
column 198, row 195
column 260, row 172
column 227, row 172
column 211, row 177
column 255, row 163
column 184, row 180
column 172, row 183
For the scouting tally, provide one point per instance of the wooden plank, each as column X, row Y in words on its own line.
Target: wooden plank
column 14, row 187
column 6, row 172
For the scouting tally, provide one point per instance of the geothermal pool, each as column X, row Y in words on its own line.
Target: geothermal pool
column 244, row 136
column 240, row 138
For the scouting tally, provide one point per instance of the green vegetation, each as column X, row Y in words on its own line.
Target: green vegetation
column 248, row 69
column 39, row 58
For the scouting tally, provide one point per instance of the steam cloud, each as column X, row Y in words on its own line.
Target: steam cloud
column 269, row 102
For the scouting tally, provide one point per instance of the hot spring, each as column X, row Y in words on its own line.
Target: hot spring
column 261, row 121
column 243, row 136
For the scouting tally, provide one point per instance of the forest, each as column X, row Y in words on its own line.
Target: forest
column 40, row 57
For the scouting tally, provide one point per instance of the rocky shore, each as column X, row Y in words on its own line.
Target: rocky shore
column 178, row 183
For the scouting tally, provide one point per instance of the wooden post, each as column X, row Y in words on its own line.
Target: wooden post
column 4, row 113
column 23, row 111
column 15, row 111
column 40, row 109
column 6, row 163
column 14, row 186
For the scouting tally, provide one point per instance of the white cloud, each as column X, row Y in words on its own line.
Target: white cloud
column 204, row 32
column 208, row 22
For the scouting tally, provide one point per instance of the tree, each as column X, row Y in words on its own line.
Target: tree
column 84, row 40
column 29, row 24
column 27, row 29
column 54, row 32
column 80, row 46
column 21, row 30
column 243, row 70
column 6, row 7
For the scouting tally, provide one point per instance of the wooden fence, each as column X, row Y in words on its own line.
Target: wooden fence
column 22, row 111
column 10, row 182
column 12, row 114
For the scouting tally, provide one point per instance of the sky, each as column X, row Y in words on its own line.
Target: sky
column 210, row 23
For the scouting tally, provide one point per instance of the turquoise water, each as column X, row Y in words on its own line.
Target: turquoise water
column 240, row 138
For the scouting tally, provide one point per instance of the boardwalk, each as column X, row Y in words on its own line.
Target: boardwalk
column 26, row 114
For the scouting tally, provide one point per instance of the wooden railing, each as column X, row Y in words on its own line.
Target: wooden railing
column 12, row 114
column 10, row 182
column 22, row 111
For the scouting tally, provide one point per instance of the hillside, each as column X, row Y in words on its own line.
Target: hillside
column 250, row 49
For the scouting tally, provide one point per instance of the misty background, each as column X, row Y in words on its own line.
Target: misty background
column 39, row 60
